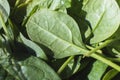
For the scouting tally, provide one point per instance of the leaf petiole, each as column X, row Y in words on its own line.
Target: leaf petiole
column 65, row 64
column 3, row 25
column 99, row 47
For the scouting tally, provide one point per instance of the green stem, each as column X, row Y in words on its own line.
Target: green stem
column 15, row 7
column 3, row 25
column 24, row 4
column 99, row 47
column 91, row 48
column 65, row 64
column 101, row 58
column 17, row 3
column 106, row 61
column 5, row 29
column 96, row 56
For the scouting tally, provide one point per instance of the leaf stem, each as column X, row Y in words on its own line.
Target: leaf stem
column 3, row 25
column 101, row 58
column 96, row 56
column 106, row 61
column 15, row 7
column 65, row 64
column 99, row 47
column 17, row 3
column 91, row 48
column 24, row 4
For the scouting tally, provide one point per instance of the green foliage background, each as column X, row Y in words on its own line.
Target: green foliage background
column 59, row 39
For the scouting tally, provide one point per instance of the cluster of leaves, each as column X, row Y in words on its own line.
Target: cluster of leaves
column 59, row 39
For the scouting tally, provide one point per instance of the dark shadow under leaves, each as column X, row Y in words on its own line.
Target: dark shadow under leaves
column 79, row 15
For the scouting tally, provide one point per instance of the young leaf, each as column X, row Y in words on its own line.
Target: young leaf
column 3, row 50
column 67, row 3
column 51, row 4
column 110, row 74
column 38, row 51
column 4, row 10
column 52, row 28
column 40, row 3
column 36, row 5
column 97, row 71
column 104, row 17
column 36, row 69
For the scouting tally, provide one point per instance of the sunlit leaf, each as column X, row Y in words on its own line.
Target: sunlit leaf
column 104, row 17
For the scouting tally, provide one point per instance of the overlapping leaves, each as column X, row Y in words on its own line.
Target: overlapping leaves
column 104, row 18
column 51, row 30
column 4, row 10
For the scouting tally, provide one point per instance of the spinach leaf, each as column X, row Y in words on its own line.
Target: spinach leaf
column 110, row 74
column 38, row 51
column 3, row 50
column 51, row 4
column 5, row 61
column 67, row 3
column 97, row 71
column 53, row 28
column 4, row 10
column 40, row 3
column 104, row 17
column 36, row 69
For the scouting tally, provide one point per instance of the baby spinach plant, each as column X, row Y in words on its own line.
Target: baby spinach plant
column 59, row 39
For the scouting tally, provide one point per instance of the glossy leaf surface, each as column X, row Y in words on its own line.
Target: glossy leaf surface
column 104, row 17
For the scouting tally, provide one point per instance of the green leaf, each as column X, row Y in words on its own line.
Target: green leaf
column 66, row 3
column 104, row 17
column 4, row 10
column 3, row 50
column 40, row 3
column 38, row 51
column 110, row 74
column 36, row 5
column 51, row 4
column 36, row 69
column 52, row 28
column 97, row 71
